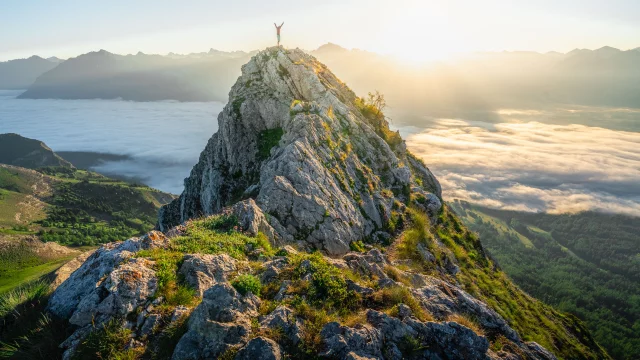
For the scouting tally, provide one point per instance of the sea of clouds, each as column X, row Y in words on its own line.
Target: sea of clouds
column 162, row 139
column 533, row 166
column 555, row 160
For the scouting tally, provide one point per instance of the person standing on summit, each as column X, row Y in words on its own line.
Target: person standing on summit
column 278, row 31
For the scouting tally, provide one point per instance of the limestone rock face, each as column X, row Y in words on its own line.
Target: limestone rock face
column 124, row 289
column 283, row 318
column 97, row 281
column 295, row 139
column 221, row 321
column 203, row 271
column 260, row 348
column 63, row 273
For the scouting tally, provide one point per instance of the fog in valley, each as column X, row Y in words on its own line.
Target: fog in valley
column 555, row 158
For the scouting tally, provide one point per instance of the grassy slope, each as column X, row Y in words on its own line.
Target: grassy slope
column 14, row 278
column 561, row 333
column 565, row 275
column 76, row 208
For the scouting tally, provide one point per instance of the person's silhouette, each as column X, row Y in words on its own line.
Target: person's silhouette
column 278, row 31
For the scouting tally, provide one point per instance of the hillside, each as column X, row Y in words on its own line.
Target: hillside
column 306, row 230
column 586, row 264
column 60, row 205
column 28, row 153
column 19, row 74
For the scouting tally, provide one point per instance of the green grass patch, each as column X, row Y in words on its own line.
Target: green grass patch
column 167, row 263
column 13, row 278
column 327, row 284
column 205, row 237
column 107, row 341
column 247, row 283
column 267, row 139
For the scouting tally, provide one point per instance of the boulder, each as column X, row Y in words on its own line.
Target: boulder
column 284, row 319
column 203, row 271
column 427, row 340
column 443, row 299
column 124, row 289
column 369, row 264
column 251, row 219
column 63, row 273
column 260, row 348
column 89, row 279
column 220, row 322
column 342, row 342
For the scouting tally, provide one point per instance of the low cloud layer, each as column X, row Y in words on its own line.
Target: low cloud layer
column 533, row 160
column 162, row 139
column 533, row 166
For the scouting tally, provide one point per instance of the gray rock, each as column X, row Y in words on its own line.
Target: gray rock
column 369, row 264
column 427, row 340
column 288, row 250
column 271, row 273
column 63, row 273
column 88, row 279
column 260, row 348
column 443, row 299
column 179, row 312
column 72, row 342
column 281, row 295
column 151, row 322
column 202, row 271
column 425, row 254
column 538, row 351
column 124, row 289
column 428, row 203
column 283, row 318
column 221, row 321
column 363, row 290
column 251, row 219
column 342, row 342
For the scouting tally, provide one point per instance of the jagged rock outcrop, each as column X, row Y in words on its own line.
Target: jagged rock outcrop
column 90, row 280
column 204, row 271
column 295, row 138
column 260, row 348
column 220, row 322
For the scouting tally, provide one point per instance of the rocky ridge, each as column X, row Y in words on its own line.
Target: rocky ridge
column 297, row 139
column 300, row 164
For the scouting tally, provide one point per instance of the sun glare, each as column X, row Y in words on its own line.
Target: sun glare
column 419, row 32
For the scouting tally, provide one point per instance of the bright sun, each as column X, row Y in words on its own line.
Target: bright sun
column 419, row 31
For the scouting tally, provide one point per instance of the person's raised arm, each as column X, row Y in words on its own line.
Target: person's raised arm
column 274, row 24
column 281, row 24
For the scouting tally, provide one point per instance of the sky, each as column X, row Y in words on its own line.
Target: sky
column 408, row 29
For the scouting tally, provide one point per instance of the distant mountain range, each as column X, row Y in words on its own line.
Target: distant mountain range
column 141, row 77
column 480, row 81
column 493, row 80
column 20, row 74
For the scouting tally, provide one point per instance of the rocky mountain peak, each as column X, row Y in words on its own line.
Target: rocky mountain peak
column 320, row 161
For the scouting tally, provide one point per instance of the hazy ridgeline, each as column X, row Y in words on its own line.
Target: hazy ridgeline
column 476, row 83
